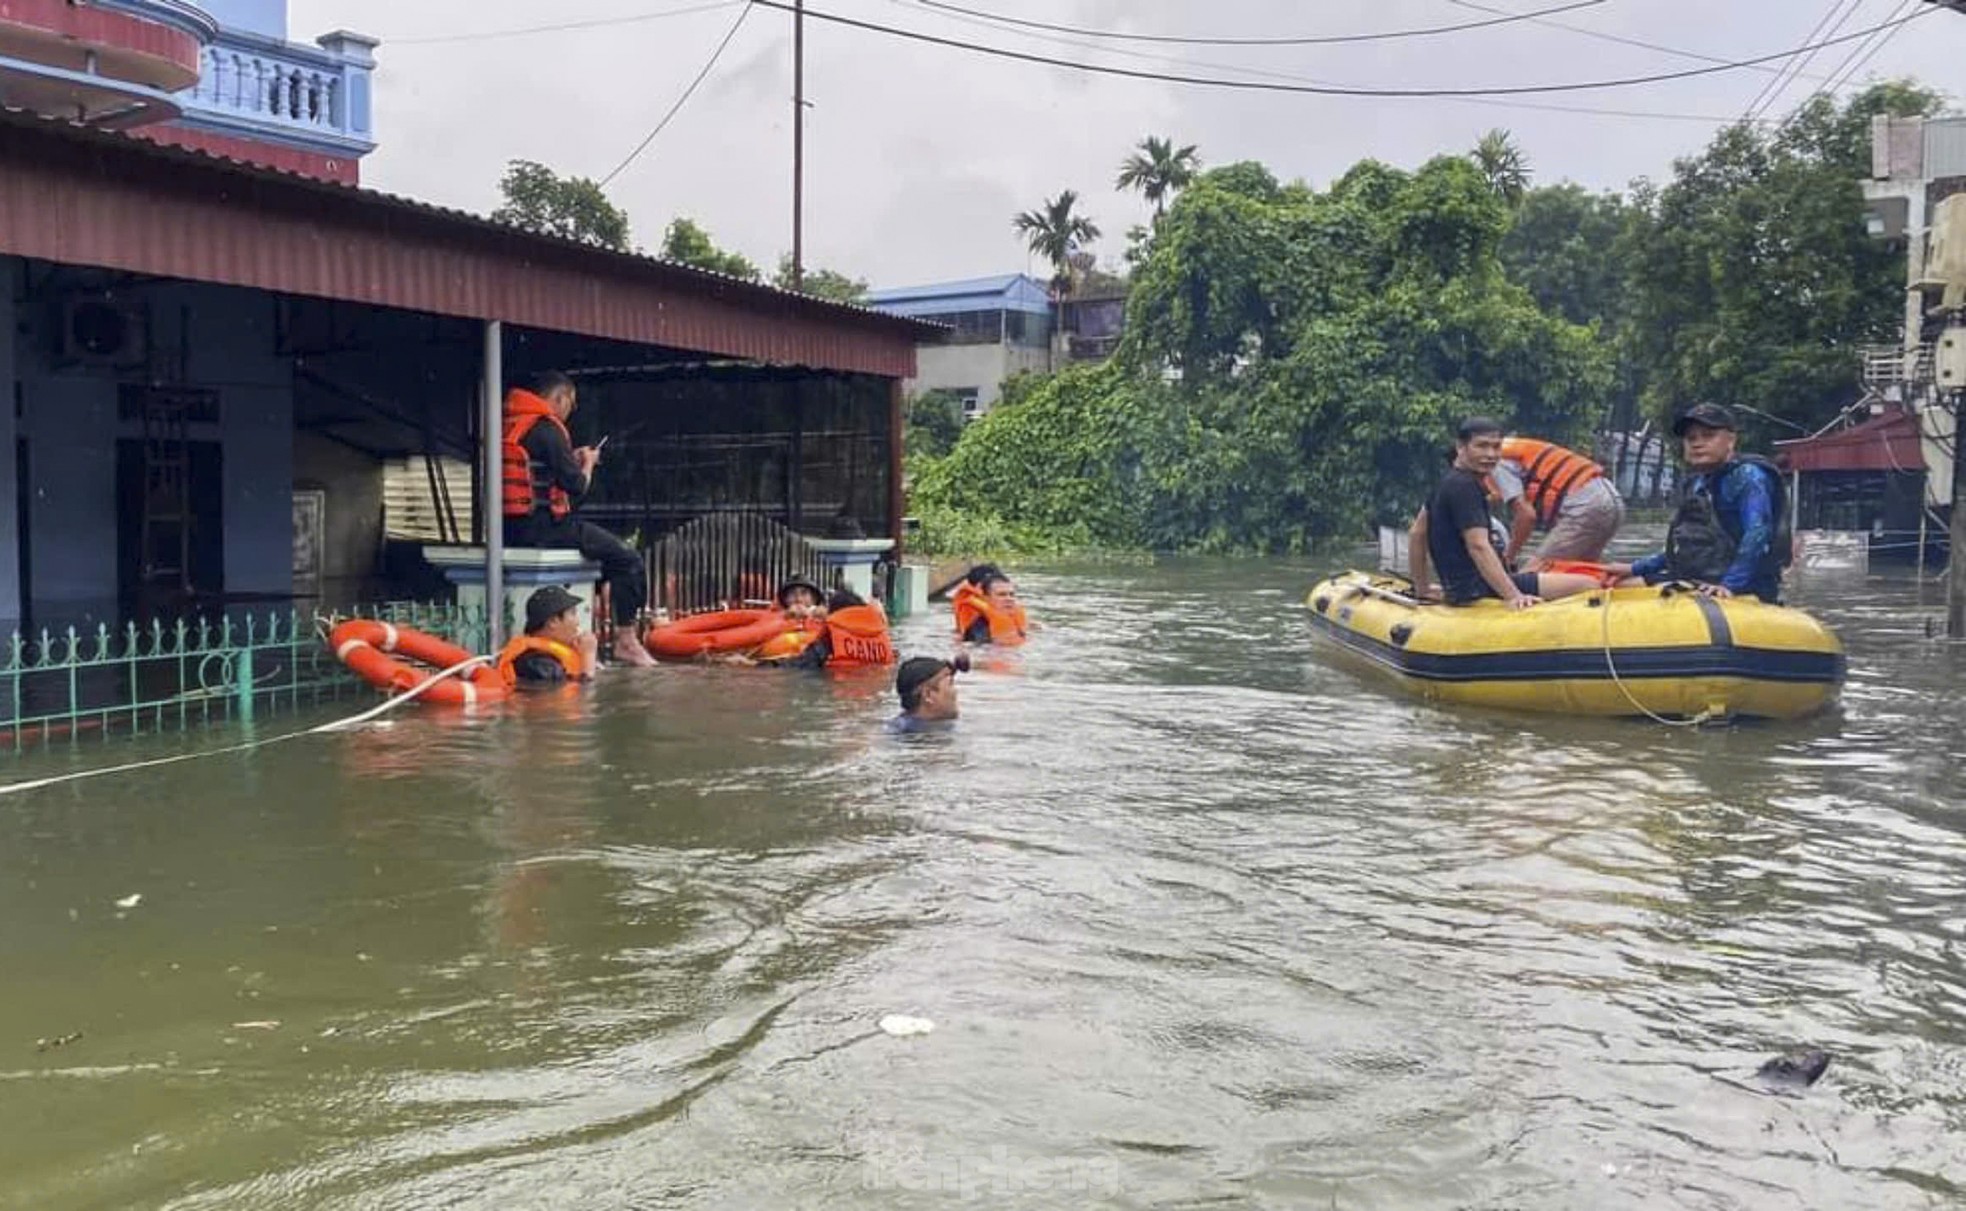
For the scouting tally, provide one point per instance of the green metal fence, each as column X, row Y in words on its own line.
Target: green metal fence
column 65, row 685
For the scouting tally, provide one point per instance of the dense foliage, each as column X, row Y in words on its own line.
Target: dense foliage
column 1292, row 363
column 1294, row 360
column 574, row 208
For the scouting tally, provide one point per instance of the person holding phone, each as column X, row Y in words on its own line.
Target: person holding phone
column 544, row 478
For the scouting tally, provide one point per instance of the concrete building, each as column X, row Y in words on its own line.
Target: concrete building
column 214, row 75
column 1001, row 326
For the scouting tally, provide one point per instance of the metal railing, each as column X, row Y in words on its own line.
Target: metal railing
column 64, row 685
column 1892, row 365
column 726, row 560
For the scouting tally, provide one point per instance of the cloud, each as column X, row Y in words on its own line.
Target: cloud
column 918, row 156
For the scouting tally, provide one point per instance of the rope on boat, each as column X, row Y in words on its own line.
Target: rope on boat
column 14, row 788
column 1611, row 663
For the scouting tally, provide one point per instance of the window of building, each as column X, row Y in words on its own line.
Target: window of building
column 971, row 400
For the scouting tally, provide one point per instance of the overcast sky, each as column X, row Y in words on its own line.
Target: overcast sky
column 917, row 156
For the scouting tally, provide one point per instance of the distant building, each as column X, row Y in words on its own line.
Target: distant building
column 213, row 75
column 1093, row 320
column 1002, row 327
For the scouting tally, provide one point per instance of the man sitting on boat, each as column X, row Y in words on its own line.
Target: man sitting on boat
column 1543, row 484
column 1454, row 533
column 1730, row 533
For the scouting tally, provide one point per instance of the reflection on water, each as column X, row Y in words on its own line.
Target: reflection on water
column 1200, row 918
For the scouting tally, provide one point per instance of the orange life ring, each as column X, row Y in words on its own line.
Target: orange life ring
column 714, row 633
column 365, row 646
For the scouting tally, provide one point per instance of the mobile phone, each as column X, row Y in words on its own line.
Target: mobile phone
column 602, row 442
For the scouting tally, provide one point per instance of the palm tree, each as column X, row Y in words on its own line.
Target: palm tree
column 1503, row 163
column 1053, row 232
column 1159, row 169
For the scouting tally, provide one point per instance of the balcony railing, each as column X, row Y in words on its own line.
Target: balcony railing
column 265, row 85
column 1892, row 365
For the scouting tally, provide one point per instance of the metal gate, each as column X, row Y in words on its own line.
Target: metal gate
column 727, row 560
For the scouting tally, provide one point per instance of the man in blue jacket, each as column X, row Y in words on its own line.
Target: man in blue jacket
column 1731, row 533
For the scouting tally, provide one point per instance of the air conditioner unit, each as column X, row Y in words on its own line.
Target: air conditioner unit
column 102, row 330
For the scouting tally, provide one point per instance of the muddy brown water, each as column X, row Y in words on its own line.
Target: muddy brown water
column 1200, row 916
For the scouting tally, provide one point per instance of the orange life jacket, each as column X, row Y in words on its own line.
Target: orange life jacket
column 1549, row 473
column 523, row 482
column 1006, row 626
column 508, row 659
column 858, row 636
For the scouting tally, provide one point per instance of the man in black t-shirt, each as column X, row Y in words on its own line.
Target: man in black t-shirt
column 1455, row 534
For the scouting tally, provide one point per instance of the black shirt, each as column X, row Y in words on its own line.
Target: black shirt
column 1459, row 504
column 538, row 669
column 552, row 464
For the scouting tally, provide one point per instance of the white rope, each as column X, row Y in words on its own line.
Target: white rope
column 14, row 788
column 1611, row 663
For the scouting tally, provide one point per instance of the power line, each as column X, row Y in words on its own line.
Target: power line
column 687, row 93
column 1841, row 78
column 1625, row 40
column 1323, row 40
column 1317, row 89
column 1543, row 107
column 1774, row 88
column 597, row 23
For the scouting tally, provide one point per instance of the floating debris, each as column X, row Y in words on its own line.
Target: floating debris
column 902, row 1026
column 130, row 901
column 1797, row 1069
column 255, row 1025
column 62, row 1040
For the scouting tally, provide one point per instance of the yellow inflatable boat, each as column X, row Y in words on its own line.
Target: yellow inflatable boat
column 1667, row 652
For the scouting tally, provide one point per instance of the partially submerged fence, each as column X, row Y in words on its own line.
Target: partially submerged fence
column 727, row 559
column 64, row 685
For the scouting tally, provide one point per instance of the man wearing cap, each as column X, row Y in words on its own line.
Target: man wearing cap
column 928, row 694
column 1730, row 533
column 553, row 650
column 800, row 598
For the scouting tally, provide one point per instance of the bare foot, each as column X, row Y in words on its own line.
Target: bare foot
column 629, row 651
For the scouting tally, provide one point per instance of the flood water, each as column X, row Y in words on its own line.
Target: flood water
column 1200, row 918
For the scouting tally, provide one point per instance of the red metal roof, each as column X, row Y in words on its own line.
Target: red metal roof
column 85, row 197
column 1883, row 443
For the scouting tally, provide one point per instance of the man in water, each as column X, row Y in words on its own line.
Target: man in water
column 994, row 613
column 927, row 687
column 1730, row 534
column 800, row 598
column 1455, row 533
column 553, row 650
column 544, row 477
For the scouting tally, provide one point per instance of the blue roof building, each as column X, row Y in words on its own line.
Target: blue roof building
column 1000, row 326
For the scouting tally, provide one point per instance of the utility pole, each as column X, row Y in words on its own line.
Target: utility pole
column 798, row 143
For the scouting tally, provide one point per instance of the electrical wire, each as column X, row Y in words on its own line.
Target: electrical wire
column 1625, row 40
column 596, row 23
column 1317, row 90
column 1773, row 88
column 1309, row 40
column 1147, row 56
column 675, row 109
column 1841, row 78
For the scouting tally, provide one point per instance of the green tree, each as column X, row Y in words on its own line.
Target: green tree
column 1503, row 163
column 934, row 423
column 573, row 208
column 1293, row 366
column 1159, row 170
column 1055, row 231
column 1563, row 247
column 820, row 283
column 688, row 244
column 1753, row 280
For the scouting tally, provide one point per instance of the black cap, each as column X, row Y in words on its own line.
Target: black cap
column 843, row 598
column 1713, row 416
column 798, row 582
column 918, row 671
column 546, row 605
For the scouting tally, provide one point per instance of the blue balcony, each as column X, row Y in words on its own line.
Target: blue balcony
column 313, row 97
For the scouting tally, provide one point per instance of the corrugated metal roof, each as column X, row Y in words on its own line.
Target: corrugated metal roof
column 75, row 195
column 1008, row 292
